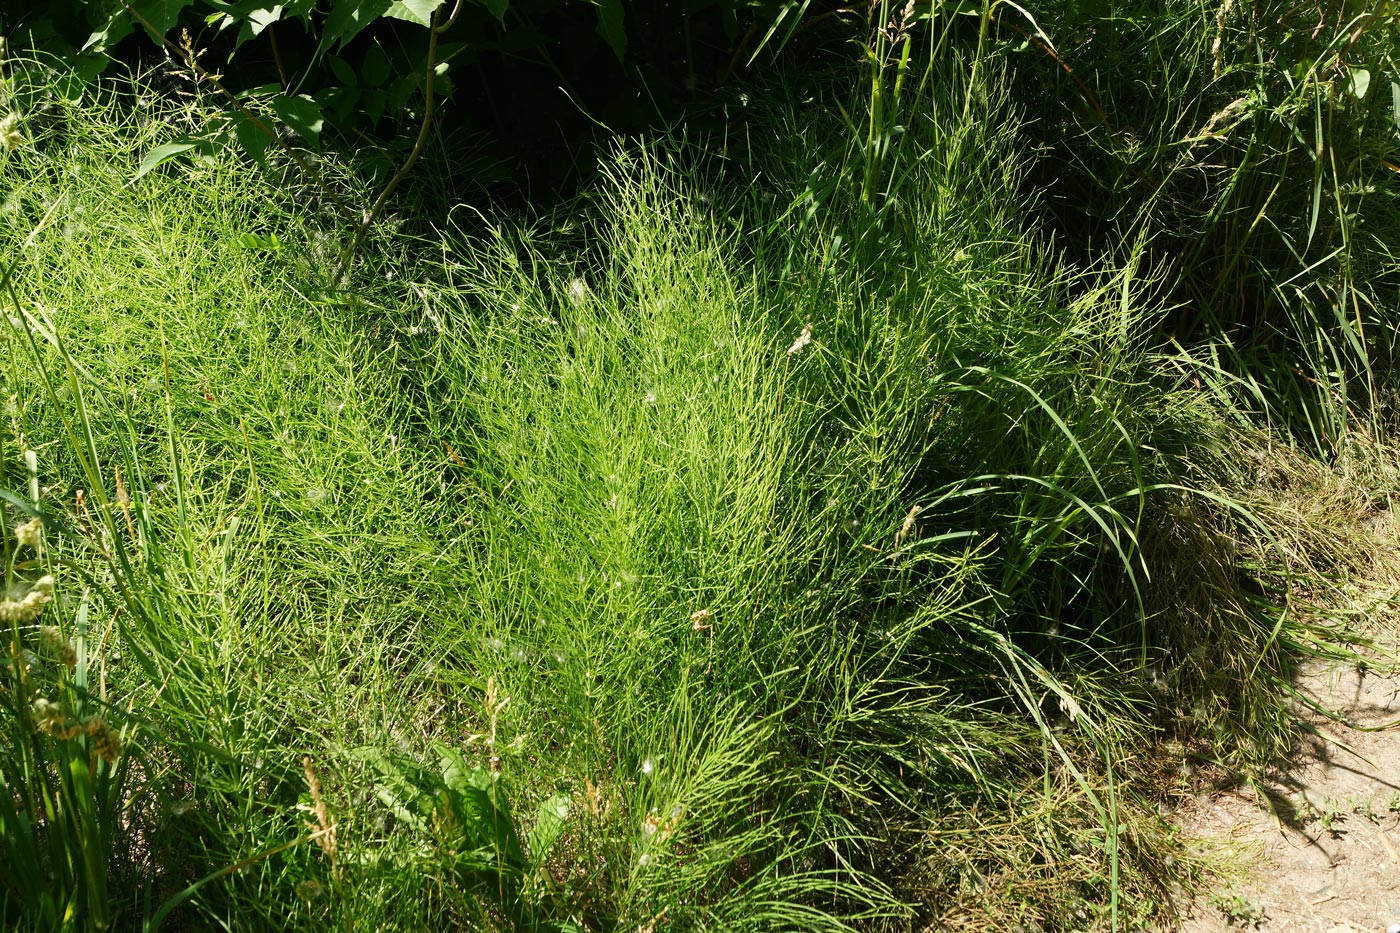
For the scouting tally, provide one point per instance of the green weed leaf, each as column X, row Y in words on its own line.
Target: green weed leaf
column 257, row 20
column 612, row 26
column 160, row 155
column 399, row 788
column 549, row 826
column 342, row 70
column 160, row 14
column 1358, row 82
column 496, row 8
column 251, row 139
column 117, row 29
column 301, row 113
column 261, row 18
column 348, row 17
column 481, row 803
column 375, row 70
column 413, row 11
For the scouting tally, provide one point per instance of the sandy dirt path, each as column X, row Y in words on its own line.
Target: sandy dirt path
column 1323, row 851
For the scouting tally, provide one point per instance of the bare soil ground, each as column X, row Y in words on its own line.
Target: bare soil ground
column 1322, row 850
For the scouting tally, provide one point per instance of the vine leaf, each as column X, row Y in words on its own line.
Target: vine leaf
column 261, row 18
column 161, row 14
column 163, row 154
column 301, row 113
column 612, row 26
column 496, row 8
column 1358, row 82
column 118, row 28
column 414, row 11
column 348, row 17
column 251, row 139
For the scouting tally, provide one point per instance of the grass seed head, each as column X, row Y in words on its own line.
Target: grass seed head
column 908, row 526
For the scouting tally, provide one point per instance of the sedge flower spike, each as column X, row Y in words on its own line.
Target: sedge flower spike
column 48, row 715
column 106, row 741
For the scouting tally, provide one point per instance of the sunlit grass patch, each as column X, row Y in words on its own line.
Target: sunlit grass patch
column 839, row 559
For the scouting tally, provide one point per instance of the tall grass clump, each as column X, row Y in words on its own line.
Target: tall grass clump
column 1253, row 154
column 638, row 583
column 832, row 553
column 895, row 497
column 974, row 393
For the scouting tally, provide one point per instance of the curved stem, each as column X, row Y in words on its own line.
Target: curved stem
column 362, row 229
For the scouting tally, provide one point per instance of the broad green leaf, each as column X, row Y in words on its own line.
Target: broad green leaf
column 488, row 819
column 496, row 8
column 160, row 155
column 373, row 102
column 301, row 113
column 260, row 92
column 75, row 80
column 160, row 14
column 342, row 70
column 459, row 776
column 252, row 140
column 302, row 9
column 1358, row 82
column 258, row 20
column 549, row 826
column 117, row 29
column 414, row 11
column 348, row 17
column 256, row 15
column 374, row 69
column 612, row 26
column 339, row 103
column 1395, row 103
column 397, row 95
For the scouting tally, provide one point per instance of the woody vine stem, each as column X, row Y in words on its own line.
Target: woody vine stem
column 435, row 29
column 361, row 226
